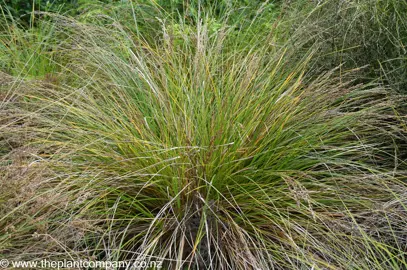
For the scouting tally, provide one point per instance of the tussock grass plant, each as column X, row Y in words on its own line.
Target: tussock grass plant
column 207, row 148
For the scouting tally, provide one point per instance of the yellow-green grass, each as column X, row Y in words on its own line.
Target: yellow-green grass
column 205, row 147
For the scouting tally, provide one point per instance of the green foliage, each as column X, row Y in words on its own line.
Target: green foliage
column 22, row 9
column 209, row 135
column 28, row 52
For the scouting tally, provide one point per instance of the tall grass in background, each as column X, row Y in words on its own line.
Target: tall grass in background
column 370, row 34
column 27, row 52
column 209, row 141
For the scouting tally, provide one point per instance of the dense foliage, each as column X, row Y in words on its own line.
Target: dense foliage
column 205, row 134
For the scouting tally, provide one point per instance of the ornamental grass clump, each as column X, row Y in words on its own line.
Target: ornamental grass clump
column 209, row 148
